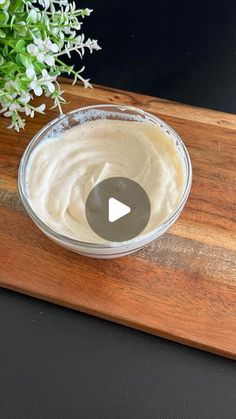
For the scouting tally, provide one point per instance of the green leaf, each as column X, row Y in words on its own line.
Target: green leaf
column 38, row 66
column 16, row 6
column 1, row 60
column 26, row 61
column 5, row 50
column 18, row 60
column 9, row 67
column 2, row 34
column 4, row 16
column 20, row 45
column 5, row 5
column 24, row 81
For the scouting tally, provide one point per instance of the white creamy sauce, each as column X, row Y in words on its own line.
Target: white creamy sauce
column 63, row 170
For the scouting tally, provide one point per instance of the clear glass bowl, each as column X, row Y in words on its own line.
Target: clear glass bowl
column 79, row 116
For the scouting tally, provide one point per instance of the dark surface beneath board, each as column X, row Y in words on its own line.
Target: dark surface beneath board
column 56, row 363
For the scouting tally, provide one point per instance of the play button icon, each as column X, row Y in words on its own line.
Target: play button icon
column 118, row 209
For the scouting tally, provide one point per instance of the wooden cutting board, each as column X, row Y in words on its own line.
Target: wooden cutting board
column 182, row 286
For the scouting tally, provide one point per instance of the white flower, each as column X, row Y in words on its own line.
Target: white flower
column 47, row 81
column 33, row 16
column 49, row 46
column 25, row 97
column 44, row 3
column 87, row 12
column 59, row 22
column 30, row 72
column 30, row 111
column 49, row 60
column 36, row 87
column 46, row 45
column 41, row 50
column 41, row 108
column 55, row 31
column 86, row 83
column 63, row 3
column 67, row 30
column 32, row 49
column 92, row 44
column 12, row 108
column 27, row 111
column 61, row 36
column 17, row 123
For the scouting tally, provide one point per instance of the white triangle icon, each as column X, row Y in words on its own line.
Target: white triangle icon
column 116, row 209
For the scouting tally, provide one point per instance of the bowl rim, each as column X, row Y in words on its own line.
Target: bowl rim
column 156, row 232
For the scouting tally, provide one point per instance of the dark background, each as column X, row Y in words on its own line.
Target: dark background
column 176, row 49
column 59, row 364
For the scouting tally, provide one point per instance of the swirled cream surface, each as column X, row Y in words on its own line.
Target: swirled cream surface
column 63, row 170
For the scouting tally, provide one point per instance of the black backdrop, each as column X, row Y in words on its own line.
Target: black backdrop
column 176, row 49
column 59, row 364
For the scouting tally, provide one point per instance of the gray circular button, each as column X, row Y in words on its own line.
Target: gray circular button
column 118, row 209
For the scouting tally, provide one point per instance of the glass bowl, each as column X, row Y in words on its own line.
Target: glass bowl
column 79, row 116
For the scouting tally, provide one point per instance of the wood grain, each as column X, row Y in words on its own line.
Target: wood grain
column 182, row 286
